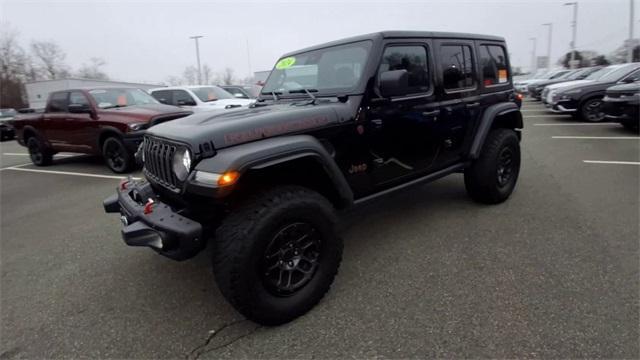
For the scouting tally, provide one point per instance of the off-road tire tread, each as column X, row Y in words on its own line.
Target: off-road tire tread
column 229, row 243
column 479, row 178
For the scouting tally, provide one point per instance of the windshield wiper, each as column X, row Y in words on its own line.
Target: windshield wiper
column 272, row 93
column 307, row 91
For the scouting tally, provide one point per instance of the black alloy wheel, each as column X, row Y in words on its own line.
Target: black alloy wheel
column 592, row 110
column 291, row 258
column 116, row 155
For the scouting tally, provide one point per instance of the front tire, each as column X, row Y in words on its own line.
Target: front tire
column 276, row 255
column 591, row 110
column 40, row 155
column 492, row 177
column 116, row 155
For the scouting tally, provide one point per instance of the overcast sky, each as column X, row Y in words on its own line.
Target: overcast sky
column 146, row 41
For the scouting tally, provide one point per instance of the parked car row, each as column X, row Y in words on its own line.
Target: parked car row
column 107, row 121
column 592, row 94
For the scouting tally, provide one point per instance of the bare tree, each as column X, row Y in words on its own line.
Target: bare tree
column 50, row 58
column 93, row 70
column 190, row 75
column 173, row 80
column 227, row 76
column 12, row 69
column 206, row 74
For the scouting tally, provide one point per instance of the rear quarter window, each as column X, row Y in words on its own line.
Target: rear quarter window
column 58, row 102
column 493, row 65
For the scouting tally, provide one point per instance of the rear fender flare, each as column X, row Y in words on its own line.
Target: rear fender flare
column 487, row 123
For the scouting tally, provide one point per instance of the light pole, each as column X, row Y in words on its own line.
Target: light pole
column 534, row 65
column 550, row 25
column 196, row 37
column 574, row 26
column 630, row 50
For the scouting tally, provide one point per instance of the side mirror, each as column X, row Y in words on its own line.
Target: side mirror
column 186, row 103
column 394, row 83
column 164, row 101
column 79, row 109
column 628, row 80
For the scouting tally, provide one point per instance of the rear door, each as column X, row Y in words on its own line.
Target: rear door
column 458, row 97
column 54, row 120
column 81, row 128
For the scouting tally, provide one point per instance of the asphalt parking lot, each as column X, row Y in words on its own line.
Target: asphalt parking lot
column 553, row 272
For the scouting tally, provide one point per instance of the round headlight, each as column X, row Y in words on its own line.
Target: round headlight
column 182, row 163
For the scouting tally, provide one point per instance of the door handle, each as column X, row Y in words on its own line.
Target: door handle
column 472, row 105
column 431, row 113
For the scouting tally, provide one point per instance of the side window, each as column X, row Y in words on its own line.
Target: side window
column 181, row 97
column 457, row 67
column 493, row 64
column 412, row 58
column 634, row 76
column 164, row 96
column 58, row 102
column 78, row 98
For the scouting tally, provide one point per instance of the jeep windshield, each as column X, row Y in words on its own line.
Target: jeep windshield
column 324, row 71
column 114, row 98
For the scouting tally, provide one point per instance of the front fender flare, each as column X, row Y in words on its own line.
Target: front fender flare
column 265, row 153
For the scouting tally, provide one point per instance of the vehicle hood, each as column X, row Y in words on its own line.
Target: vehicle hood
column 624, row 88
column 549, row 82
column 527, row 82
column 222, row 104
column 145, row 112
column 567, row 84
column 586, row 86
column 237, row 126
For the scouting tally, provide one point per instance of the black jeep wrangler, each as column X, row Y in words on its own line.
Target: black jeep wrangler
column 335, row 125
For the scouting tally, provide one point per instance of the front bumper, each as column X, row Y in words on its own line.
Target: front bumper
column 163, row 228
column 563, row 107
column 627, row 112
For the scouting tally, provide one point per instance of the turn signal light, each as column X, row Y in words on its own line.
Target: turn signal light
column 519, row 96
column 228, row 178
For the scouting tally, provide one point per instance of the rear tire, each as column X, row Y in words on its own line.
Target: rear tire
column 116, row 155
column 276, row 255
column 40, row 155
column 492, row 177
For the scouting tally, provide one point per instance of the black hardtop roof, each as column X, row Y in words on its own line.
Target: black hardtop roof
column 390, row 34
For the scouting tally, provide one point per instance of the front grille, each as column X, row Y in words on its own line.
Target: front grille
column 158, row 156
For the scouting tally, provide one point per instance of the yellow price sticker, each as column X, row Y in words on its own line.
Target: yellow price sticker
column 286, row 63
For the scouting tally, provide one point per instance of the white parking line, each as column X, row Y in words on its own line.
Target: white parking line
column 612, row 162
column 26, row 154
column 577, row 124
column 598, row 137
column 16, row 168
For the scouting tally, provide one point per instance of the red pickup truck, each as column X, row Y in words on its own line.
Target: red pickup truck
column 101, row 121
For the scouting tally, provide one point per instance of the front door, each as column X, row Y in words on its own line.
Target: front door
column 403, row 132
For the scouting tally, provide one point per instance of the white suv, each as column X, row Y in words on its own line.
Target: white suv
column 199, row 97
